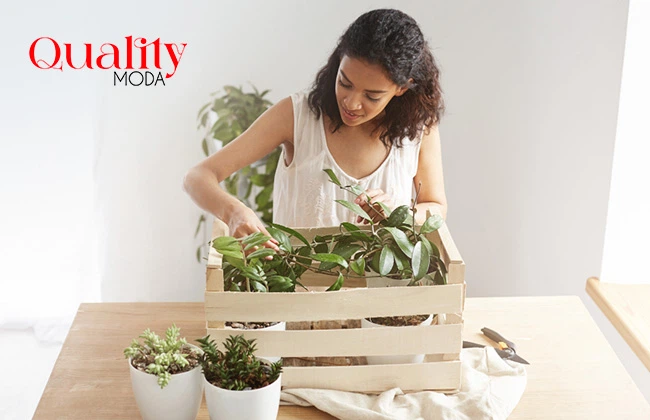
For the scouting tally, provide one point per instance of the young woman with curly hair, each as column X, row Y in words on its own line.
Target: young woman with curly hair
column 371, row 116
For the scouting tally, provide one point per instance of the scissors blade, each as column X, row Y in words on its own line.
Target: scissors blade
column 511, row 356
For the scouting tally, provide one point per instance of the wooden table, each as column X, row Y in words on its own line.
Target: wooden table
column 574, row 373
column 627, row 306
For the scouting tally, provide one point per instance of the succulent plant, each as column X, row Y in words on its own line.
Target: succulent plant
column 162, row 357
column 236, row 368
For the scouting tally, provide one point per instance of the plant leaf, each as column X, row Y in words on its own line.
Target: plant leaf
column 402, row 240
column 332, row 176
column 261, row 253
column 345, row 250
column 198, row 226
column 254, row 239
column 350, row 227
column 291, row 232
column 357, row 190
column 227, row 246
column 358, row 266
column 397, row 217
column 333, row 258
column 356, row 209
column 204, row 146
column 420, row 261
column 387, row 211
column 432, row 224
column 337, row 284
column 258, row 286
column 386, row 260
column 282, row 238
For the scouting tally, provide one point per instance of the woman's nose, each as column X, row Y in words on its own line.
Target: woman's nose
column 352, row 102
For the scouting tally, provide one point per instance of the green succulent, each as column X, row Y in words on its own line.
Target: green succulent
column 236, row 368
column 162, row 357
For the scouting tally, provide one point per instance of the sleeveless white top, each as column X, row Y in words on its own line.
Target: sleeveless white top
column 302, row 193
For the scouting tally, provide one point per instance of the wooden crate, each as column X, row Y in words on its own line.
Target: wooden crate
column 307, row 313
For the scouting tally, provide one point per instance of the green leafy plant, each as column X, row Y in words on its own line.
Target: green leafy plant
column 237, row 368
column 162, row 357
column 394, row 247
column 236, row 110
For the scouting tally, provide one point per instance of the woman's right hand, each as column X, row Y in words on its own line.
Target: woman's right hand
column 244, row 222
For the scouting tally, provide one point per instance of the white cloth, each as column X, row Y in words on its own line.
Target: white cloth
column 302, row 194
column 490, row 390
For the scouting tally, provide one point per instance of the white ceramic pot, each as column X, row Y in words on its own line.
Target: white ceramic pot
column 280, row 326
column 255, row 404
column 179, row 400
column 397, row 359
column 386, row 282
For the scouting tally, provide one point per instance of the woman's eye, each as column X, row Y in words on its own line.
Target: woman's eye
column 348, row 87
column 345, row 86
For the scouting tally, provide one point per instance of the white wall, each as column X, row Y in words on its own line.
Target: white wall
column 532, row 90
column 628, row 222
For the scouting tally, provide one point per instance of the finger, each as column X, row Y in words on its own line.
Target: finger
column 362, row 198
column 380, row 198
column 271, row 243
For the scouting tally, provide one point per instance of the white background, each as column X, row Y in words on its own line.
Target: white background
column 93, row 207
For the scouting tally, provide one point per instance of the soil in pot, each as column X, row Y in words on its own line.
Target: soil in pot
column 399, row 321
column 192, row 357
column 250, row 325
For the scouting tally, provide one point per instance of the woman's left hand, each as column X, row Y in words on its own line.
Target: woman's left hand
column 376, row 212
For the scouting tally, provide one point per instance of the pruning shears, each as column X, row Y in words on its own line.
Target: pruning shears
column 506, row 349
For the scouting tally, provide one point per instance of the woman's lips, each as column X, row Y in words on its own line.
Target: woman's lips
column 349, row 115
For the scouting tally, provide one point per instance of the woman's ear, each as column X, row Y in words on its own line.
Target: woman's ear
column 403, row 89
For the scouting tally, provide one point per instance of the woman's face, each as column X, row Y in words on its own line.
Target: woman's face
column 363, row 90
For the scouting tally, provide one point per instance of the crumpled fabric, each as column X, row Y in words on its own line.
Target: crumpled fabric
column 490, row 389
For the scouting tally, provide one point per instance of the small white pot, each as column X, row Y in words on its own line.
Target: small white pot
column 255, row 404
column 280, row 326
column 386, row 282
column 179, row 400
column 397, row 359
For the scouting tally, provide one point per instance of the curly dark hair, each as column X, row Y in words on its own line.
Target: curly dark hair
column 393, row 40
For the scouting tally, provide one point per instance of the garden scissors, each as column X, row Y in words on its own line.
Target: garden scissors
column 506, row 348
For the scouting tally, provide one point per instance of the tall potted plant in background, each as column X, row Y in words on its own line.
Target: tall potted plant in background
column 225, row 118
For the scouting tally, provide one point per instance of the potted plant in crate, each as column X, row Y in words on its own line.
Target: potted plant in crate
column 165, row 375
column 248, row 269
column 394, row 252
column 239, row 385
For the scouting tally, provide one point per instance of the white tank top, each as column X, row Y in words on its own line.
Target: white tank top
column 302, row 194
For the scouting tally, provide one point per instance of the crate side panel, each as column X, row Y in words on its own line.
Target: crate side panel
column 352, row 342
column 343, row 304
column 438, row 376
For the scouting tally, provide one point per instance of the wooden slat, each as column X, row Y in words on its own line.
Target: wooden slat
column 214, row 280
column 214, row 258
column 352, row 342
column 456, row 273
column 441, row 376
column 627, row 306
column 311, row 279
column 343, row 304
column 449, row 245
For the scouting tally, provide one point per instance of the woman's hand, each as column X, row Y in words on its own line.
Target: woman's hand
column 373, row 209
column 244, row 221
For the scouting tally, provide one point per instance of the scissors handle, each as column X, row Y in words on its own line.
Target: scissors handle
column 498, row 338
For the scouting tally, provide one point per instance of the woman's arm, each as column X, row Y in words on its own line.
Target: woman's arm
column 271, row 129
column 432, row 192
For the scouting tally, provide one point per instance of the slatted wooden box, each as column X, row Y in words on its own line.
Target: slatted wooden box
column 441, row 342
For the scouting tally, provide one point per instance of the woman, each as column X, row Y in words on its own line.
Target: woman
column 371, row 116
